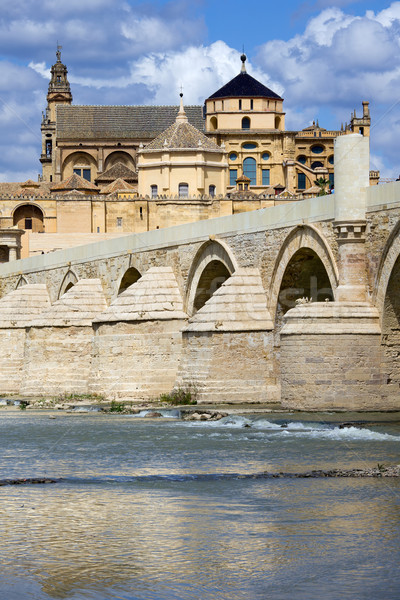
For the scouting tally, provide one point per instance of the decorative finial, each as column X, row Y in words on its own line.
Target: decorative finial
column 181, row 116
column 58, row 53
column 243, row 58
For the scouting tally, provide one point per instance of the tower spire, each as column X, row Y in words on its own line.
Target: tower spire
column 181, row 116
column 243, row 58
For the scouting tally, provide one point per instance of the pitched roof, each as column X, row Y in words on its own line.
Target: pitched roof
column 244, row 86
column 119, row 185
column 119, row 122
column 155, row 296
column 240, row 304
column 75, row 182
column 118, row 171
column 182, row 135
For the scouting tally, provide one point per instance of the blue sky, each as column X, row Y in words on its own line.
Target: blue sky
column 323, row 56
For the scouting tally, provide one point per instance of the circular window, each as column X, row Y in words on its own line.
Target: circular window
column 266, row 156
column 249, row 146
column 316, row 164
column 317, row 149
column 302, row 159
column 233, row 156
column 331, row 159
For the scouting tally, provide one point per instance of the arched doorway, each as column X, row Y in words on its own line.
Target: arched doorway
column 130, row 277
column 29, row 217
column 391, row 327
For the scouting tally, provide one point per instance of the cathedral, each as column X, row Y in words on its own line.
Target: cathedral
column 113, row 170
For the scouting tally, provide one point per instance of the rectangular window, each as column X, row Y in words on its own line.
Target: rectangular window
column 301, row 181
column 85, row 173
column 28, row 223
column 232, row 176
column 265, row 177
column 141, row 212
column 119, row 221
column 331, row 180
column 251, row 104
column 240, row 105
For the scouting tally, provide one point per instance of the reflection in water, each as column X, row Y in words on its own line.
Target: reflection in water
column 102, row 533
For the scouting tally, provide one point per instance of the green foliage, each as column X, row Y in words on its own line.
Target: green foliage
column 322, row 183
column 381, row 468
column 22, row 405
column 178, row 396
column 80, row 397
column 117, row 407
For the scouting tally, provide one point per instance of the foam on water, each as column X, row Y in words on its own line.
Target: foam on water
column 311, row 430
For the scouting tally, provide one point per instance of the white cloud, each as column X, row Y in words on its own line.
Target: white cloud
column 338, row 61
column 200, row 69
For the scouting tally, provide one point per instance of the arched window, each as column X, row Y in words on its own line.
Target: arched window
column 211, row 191
column 183, row 190
column 245, row 123
column 316, row 164
column 302, row 159
column 153, row 191
column 331, row 159
column 213, row 123
column 250, row 170
column 277, row 122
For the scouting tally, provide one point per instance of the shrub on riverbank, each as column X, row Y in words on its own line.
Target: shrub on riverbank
column 180, row 396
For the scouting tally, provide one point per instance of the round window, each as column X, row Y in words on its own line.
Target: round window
column 302, row 159
column 331, row 159
column 266, row 156
column 233, row 156
column 317, row 149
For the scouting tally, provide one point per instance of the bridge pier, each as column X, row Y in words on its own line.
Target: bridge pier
column 228, row 353
column 138, row 339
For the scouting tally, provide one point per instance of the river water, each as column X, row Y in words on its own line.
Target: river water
column 165, row 509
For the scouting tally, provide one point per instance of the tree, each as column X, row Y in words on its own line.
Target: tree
column 322, row 183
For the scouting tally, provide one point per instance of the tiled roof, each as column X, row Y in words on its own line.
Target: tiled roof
column 118, row 171
column 119, row 185
column 75, row 182
column 244, row 86
column 119, row 122
column 22, row 189
column 182, row 135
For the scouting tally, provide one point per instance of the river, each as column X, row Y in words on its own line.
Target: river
column 165, row 509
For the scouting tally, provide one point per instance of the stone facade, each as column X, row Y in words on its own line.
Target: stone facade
column 294, row 302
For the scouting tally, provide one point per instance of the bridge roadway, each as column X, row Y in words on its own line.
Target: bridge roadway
column 297, row 303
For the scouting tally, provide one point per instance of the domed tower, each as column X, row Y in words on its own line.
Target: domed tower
column 59, row 92
column 248, row 118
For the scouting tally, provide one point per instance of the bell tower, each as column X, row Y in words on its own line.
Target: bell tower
column 59, row 92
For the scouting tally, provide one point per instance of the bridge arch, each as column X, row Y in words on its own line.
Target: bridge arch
column 304, row 243
column 21, row 282
column 390, row 254
column 213, row 264
column 68, row 282
column 130, row 276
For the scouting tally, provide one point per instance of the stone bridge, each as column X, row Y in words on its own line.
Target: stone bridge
column 296, row 303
